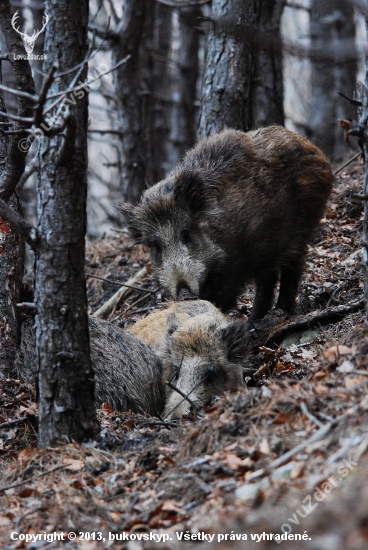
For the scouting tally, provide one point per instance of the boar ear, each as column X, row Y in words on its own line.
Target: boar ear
column 235, row 340
column 172, row 323
column 128, row 212
column 189, row 188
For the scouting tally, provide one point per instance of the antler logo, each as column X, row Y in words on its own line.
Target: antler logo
column 29, row 41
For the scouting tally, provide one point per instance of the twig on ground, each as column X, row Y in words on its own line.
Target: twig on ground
column 319, row 434
column 20, row 518
column 185, row 398
column 144, row 297
column 29, row 480
column 329, row 315
column 122, row 284
column 309, row 415
column 195, row 407
column 122, row 293
column 13, row 422
column 126, row 484
column 156, row 423
column 346, row 163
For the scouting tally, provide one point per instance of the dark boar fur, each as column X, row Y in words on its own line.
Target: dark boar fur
column 202, row 352
column 128, row 373
column 240, row 207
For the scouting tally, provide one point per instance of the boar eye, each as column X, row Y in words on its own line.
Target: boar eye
column 186, row 237
column 210, row 375
column 155, row 248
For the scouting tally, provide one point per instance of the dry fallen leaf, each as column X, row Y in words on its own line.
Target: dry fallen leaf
column 233, row 461
column 129, row 424
column 264, row 447
column 297, row 470
column 105, row 407
column 317, row 445
column 364, row 403
column 333, row 352
column 73, row 465
column 26, row 492
column 172, row 507
column 349, row 382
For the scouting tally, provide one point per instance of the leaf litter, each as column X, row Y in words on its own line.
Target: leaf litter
column 246, row 463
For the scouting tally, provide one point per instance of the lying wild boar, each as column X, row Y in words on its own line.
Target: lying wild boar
column 240, row 207
column 152, row 330
column 128, row 373
column 201, row 350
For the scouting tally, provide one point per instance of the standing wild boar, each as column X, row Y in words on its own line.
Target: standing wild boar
column 240, row 207
column 202, row 352
column 128, row 373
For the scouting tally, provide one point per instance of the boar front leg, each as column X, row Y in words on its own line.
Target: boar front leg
column 289, row 283
column 264, row 294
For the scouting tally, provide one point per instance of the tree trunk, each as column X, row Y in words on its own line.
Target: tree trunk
column 66, row 382
column 38, row 10
column 270, row 90
column 184, row 113
column 13, row 156
column 332, row 21
column 133, row 88
column 363, row 120
column 162, row 88
column 229, row 87
column 11, row 274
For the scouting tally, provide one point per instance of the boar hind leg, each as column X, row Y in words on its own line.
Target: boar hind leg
column 264, row 294
column 289, row 283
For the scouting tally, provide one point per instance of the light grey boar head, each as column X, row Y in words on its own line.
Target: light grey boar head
column 171, row 221
column 203, row 359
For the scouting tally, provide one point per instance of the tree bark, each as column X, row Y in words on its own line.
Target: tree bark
column 162, row 88
column 229, row 87
column 133, row 88
column 66, row 382
column 363, row 112
column 11, row 274
column 185, row 110
column 331, row 22
column 38, row 10
column 13, row 157
column 270, row 89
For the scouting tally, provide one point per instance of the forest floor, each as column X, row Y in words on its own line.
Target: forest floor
column 288, row 454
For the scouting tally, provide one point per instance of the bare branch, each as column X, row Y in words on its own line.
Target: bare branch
column 19, row 224
column 106, row 34
column 69, row 139
column 82, row 86
column 23, row 119
column 114, row 132
column 19, row 93
column 43, row 95
column 15, row 161
column 31, row 169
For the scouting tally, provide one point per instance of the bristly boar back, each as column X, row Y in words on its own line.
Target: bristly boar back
column 240, row 207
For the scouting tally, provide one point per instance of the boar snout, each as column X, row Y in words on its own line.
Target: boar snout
column 183, row 292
